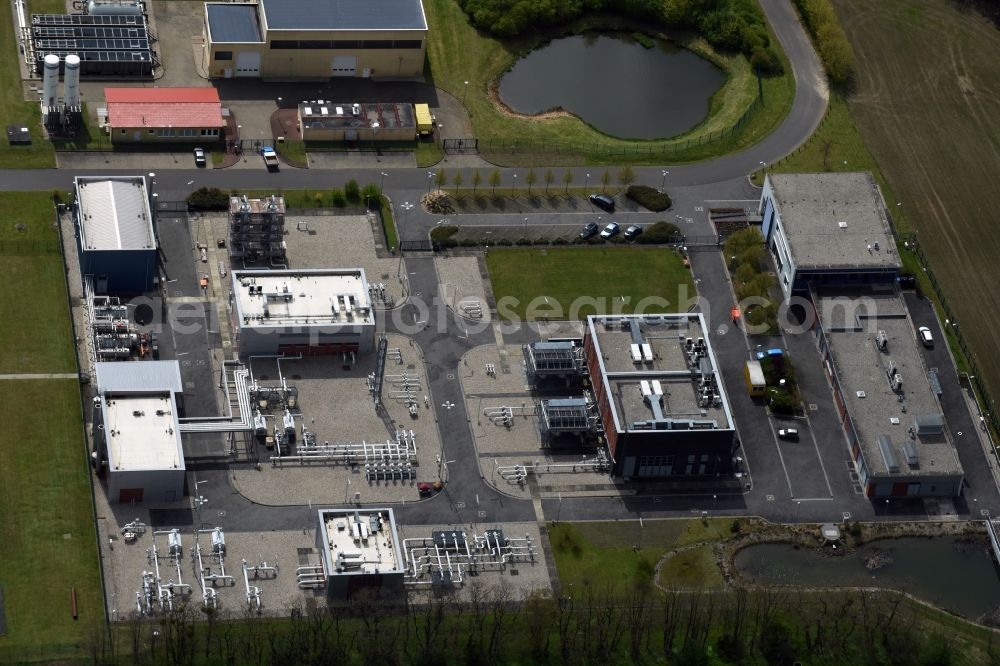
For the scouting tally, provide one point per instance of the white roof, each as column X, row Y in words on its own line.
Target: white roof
column 306, row 297
column 114, row 214
column 353, row 547
column 142, row 432
column 130, row 376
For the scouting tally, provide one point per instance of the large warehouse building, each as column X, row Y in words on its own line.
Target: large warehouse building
column 886, row 398
column 827, row 228
column 312, row 312
column 294, row 39
column 660, row 396
column 114, row 232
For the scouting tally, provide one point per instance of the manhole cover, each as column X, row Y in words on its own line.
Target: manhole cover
column 222, row 513
column 813, row 407
column 985, row 513
column 459, row 505
column 846, row 515
column 450, row 376
column 769, row 498
column 482, row 514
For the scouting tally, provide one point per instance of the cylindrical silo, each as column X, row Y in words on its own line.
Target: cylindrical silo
column 50, row 80
column 71, row 85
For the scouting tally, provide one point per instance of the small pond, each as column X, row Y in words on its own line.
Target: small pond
column 950, row 572
column 616, row 85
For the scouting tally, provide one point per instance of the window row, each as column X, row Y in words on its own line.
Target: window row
column 329, row 44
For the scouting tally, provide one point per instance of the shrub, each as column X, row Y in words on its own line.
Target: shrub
column 338, row 199
column 208, row 198
column 468, row 242
column 352, row 192
column 831, row 42
column 659, row 233
column 648, row 197
column 438, row 202
column 783, row 403
column 541, row 241
column 765, row 61
column 522, row 241
column 443, row 231
column 370, row 192
column 505, row 242
column 446, row 242
column 560, row 241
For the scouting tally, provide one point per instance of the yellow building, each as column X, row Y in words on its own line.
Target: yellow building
column 318, row 39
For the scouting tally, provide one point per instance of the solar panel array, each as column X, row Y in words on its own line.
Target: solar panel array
column 113, row 44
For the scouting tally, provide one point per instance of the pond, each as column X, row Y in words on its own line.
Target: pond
column 618, row 86
column 953, row 573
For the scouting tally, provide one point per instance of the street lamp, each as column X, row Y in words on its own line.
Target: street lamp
column 375, row 127
column 663, row 184
column 466, row 93
column 587, row 182
column 430, row 179
column 525, row 223
column 381, row 182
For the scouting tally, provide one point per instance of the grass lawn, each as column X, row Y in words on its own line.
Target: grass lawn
column 574, row 282
column 457, row 53
column 46, row 496
column 693, row 569
column 47, row 542
column 36, row 338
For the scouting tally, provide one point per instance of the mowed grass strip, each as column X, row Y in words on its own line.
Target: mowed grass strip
column 47, row 542
column 34, row 317
column 556, row 283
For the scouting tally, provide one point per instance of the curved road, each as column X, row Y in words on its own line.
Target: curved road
column 468, row 498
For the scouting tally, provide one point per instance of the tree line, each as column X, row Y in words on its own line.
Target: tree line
column 730, row 25
column 579, row 625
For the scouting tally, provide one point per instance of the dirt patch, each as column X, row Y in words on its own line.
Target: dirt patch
column 494, row 95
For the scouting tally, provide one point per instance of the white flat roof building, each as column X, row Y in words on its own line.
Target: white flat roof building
column 142, row 446
column 360, row 548
column 310, row 311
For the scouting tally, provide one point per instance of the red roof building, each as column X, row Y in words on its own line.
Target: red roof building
column 164, row 114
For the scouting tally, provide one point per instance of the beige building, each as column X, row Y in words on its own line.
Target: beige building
column 293, row 39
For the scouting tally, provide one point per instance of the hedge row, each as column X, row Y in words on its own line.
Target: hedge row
column 828, row 35
column 649, row 197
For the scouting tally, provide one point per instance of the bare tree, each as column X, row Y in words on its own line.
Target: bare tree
column 567, row 180
column 477, row 180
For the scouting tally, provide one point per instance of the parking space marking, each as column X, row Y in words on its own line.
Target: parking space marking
column 822, row 467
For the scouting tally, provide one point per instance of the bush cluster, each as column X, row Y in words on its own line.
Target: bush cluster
column 831, row 42
column 649, row 197
column 659, row 233
column 208, row 198
column 730, row 25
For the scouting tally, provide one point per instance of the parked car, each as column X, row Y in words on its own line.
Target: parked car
column 603, row 201
column 610, row 230
column 925, row 336
column 589, row 231
column 791, row 434
column 632, row 231
column 199, row 157
column 270, row 158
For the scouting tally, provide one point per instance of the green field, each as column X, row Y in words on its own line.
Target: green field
column 47, row 543
column 458, row 53
column 575, row 282
column 931, row 117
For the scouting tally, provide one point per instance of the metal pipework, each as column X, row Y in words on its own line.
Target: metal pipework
column 253, row 592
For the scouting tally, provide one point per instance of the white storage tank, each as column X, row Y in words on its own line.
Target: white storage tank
column 71, row 78
column 50, row 81
column 111, row 7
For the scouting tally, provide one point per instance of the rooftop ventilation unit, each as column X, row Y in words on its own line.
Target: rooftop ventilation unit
column 885, row 446
column 842, row 225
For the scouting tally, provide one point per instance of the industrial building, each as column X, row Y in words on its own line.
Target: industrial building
column 164, row 115
column 887, row 400
column 827, row 229
column 318, row 39
column 660, row 396
column 311, row 312
column 116, row 44
column 115, row 233
column 137, row 436
column 360, row 549
column 257, row 230
column 559, row 361
column 368, row 123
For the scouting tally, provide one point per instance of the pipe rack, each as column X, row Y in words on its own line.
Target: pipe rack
column 423, row 556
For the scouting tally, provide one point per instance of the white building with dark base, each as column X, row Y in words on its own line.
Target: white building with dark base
column 311, row 312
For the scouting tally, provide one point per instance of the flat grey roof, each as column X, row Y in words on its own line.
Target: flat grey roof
column 132, row 376
column 675, row 372
column 114, row 214
column 344, row 14
column 851, row 322
column 233, row 23
column 322, row 114
column 813, row 206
